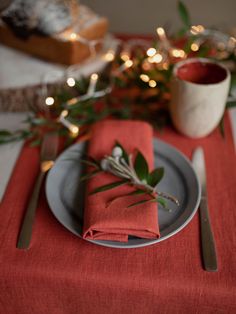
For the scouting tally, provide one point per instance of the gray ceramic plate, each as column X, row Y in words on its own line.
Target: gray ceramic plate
column 65, row 193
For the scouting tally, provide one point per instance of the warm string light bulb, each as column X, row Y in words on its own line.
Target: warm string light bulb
column 144, row 77
column 196, row 29
column 178, row 53
column 124, row 56
column 49, row 101
column 194, row 47
column 161, row 32
column 128, row 63
column 151, row 52
column 109, row 56
column 74, row 129
column 201, row 28
column 73, row 36
column 157, row 58
column 64, row 113
column 164, row 42
column 152, row 83
column 92, row 83
column 71, row 81
column 94, row 77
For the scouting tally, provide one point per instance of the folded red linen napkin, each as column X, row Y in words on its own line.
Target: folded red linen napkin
column 112, row 220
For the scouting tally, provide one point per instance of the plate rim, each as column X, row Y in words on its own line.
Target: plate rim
column 150, row 241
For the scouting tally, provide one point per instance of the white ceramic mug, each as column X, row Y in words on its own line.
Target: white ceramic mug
column 199, row 91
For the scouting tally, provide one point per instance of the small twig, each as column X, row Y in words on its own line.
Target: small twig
column 118, row 166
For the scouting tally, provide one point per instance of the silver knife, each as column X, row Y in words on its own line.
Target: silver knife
column 207, row 239
column 48, row 155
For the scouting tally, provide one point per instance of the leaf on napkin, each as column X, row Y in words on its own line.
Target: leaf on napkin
column 159, row 200
column 109, row 186
column 162, row 202
column 153, row 200
column 184, row 15
column 89, row 163
column 155, row 176
column 89, row 175
column 93, row 160
column 141, row 167
column 137, row 192
column 124, row 153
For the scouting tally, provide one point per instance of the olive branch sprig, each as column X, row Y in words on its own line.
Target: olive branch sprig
column 136, row 174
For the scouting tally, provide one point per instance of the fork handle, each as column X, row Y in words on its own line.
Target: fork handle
column 26, row 227
column 207, row 239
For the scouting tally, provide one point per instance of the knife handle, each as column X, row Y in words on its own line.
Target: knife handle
column 207, row 239
column 26, row 228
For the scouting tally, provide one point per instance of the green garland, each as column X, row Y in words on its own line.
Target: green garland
column 131, row 96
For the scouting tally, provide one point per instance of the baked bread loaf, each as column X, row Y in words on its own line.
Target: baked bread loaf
column 61, row 31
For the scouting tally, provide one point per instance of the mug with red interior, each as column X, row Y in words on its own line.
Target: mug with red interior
column 199, row 90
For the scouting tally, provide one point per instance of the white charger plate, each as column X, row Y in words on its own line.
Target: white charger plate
column 65, row 193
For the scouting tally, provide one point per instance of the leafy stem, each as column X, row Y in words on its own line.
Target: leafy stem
column 136, row 174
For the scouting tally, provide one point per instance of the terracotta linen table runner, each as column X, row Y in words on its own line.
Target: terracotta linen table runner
column 62, row 273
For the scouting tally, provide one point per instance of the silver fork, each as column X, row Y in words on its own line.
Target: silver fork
column 47, row 157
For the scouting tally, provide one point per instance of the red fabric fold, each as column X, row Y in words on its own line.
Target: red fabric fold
column 105, row 219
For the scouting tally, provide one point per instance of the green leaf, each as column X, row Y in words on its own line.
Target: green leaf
column 124, row 153
column 222, row 127
column 36, row 142
column 138, row 203
column 89, row 175
column 153, row 200
column 7, row 137
column 39, row 121
column 141, row 167
column 155, row 176
column 203, row 51
column 184, row 15
column 187, row 46
column 89, row 163
column 137, row 192
column 90, row 158
column 162, row 202
column 108, row 186
column 181, row 33
column 231, row 104
column 159, row 200
column 5, row 133
column 232, row 82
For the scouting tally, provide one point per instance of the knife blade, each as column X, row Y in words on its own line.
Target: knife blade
column 47, row 157
column 207, row 238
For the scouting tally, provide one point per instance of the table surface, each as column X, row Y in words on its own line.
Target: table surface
column 62, row 273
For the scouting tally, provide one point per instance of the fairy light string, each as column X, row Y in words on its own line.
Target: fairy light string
column 160, row 57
